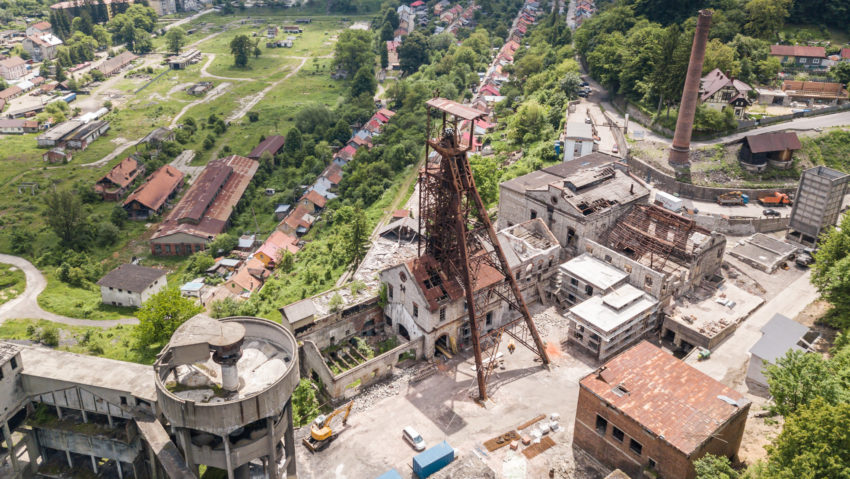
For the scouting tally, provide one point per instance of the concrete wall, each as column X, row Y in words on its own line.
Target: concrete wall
column 756, row 380
column 98, row 446
column 738, row 226
column 87, row 398
column 345, row 384
column 658, row 285
column 11, row 390
column 667, row 183
column 350, row 321
column 682, row 332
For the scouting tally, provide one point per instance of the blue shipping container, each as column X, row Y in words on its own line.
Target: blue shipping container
column 391, row 474
column 432, row 460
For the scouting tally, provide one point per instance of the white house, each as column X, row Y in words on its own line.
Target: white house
column 130, row 285
column 578, row 140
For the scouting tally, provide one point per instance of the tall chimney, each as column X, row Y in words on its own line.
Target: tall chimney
column 687, row 108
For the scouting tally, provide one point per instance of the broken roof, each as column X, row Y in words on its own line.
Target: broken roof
column 154, row 192
column 670, row 399
column 438, row 287
column 123, row 173
column 454, row 108
column 132, row 277
column 777, row 141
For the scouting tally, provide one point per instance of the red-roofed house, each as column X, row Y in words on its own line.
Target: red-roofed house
column 799, row 55
column 272, row 145
column 347, row 153
column 646, row 410
column 373, row 126
column 249, row 278
column 719, row 91
column 151, row 197
column 489, row 90
column 845, row 54
column 274, row 247
column 13, row 68
column 313, row 201
column 39, row 28
column 298, row 222
column 417, row 3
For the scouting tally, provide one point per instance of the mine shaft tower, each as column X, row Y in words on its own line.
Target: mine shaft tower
column 454, row 230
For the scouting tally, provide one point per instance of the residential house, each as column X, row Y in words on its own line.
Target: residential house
column 392, row 55
column 13, row 68
column 298, row 222
column 248, row 279
column 204, row 211
column 152, row 196
column 779, row 336
column 719, row 91
column 292, row 29
column 275, row 246
column 130, row 285
column 799, row 55
column 42, row 47
column 814, row 93
column 39, row 28
column 645, row 410
column 113, row 185
column 313, row 202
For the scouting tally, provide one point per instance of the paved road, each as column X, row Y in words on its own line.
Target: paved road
column 188, row 19
column 728, row 359
column 26, row 305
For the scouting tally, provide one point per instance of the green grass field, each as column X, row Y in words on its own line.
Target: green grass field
column 113, row 343
column 12, row 282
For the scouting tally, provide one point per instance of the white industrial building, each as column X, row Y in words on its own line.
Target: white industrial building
column 578, row 140
column 130, row 285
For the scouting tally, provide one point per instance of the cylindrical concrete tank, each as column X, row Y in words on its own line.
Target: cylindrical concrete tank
column 224, row 387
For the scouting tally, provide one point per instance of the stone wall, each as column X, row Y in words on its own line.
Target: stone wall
column 348, row 383
column 350, row 321
column 669, row 184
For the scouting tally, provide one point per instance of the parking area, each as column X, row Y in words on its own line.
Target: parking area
column 441, row 408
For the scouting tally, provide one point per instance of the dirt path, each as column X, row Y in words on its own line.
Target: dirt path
column 212, row 95
column 26, row 305
column 206, row 74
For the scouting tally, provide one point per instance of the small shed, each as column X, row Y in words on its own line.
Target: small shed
column 780, row 335
column 775, row 149
column 281, row 211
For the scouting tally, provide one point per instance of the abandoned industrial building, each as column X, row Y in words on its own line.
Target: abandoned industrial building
column 817, row 203
column 578, row 200
column 218, row 395
column 646, row 410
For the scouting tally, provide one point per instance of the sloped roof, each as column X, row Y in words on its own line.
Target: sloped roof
column 664, row 395
column 797, row 51
column 779, row 335
column 155, row 190
column 272, row 144
column 12, row 62
column 716, row 79
column 123, row 173
column 314, row 197
column 777, row 141
column 131, row 277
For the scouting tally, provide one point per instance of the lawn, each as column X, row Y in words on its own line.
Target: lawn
column 78, row 302
column 113, row 343
column 12, row 282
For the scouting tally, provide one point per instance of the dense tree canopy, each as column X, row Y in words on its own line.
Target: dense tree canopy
column 353, row 49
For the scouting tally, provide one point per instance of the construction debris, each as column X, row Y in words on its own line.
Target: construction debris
column 534, row 450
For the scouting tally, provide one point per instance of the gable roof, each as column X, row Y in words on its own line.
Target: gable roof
column 272, row 144
column 12, row 62
column 314, row 197
column 797, row 51
column 276, row 244
column 132, row 277
column 664, row 395
column 777, row 141
column 299, row 310
column 123, row 173
column 154, row 192
column 715, row 80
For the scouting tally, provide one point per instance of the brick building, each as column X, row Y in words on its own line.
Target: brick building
column 646, row 411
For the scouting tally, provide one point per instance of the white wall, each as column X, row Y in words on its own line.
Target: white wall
column 119, row 297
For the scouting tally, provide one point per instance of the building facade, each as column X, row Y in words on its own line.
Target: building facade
column 817, row 203
column 130, row 285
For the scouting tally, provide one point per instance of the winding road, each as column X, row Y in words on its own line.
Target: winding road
column 26, row 305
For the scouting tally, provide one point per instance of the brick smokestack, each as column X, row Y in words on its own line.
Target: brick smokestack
column 687, row 109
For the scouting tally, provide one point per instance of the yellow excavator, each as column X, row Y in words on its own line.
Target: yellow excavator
column 321, row 433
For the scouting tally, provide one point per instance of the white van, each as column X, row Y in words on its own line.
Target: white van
column 414, row 438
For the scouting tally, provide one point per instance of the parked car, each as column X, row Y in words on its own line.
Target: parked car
column 804, row 260
column 770, row 212
column 413, row 438
column 615, row 148
column 582, row 94
column 584, row 83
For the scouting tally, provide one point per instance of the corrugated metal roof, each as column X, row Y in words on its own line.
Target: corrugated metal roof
column 778, row 141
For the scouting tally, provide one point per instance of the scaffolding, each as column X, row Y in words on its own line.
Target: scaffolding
column 457, row 236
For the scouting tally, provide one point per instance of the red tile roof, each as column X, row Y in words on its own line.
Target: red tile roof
column 387, row 113
column 845, row 53
column 154, row 192
column 314, row 197
column 425, row 268
column 797, row 51
column 666, row 396
column 43, row 26
column 277, row 243
column 401, row 213
column 299, row 217
column 347, row 153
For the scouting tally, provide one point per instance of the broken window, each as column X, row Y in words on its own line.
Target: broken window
column 14, row 363
column 573, row 281
column 442, row 314
column 489, row 320
column 601, row 425
column 390, row 291
column 607, row 258
column 415, row 310
column 648, row 281
column 635, row 447
column 617, row 433
column 652, row 464
column 533, row 214
column 588, row 289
